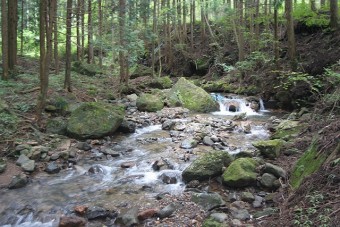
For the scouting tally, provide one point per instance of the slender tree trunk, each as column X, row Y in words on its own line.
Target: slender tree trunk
column 78, row 30
column 322, row 3
column 334, row 14
column 312, row 5
column 4, row 37
column 179, row 21
column 122, row 53
column 55, row 37
column 154, row 30
column 100, row 31
column 257, row 24
column 67, row 81
column 22, row 28
column 203, row 30
column 192, row 9
column 290, row 34
column 276, row 39
column 82, row 18
column 12, row 33
column 90, row 34
column 238, row 30
column 185, row 12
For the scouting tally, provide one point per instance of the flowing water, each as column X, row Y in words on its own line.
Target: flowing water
column 47, row 197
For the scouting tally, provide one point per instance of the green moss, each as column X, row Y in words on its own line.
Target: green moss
column 307, row 164
column 149, row 103
column 287, row 130
column 160, row 82
column 190, row 96
column 269, row 148
column 86, row 69
column 210, row 222
column 241, row 173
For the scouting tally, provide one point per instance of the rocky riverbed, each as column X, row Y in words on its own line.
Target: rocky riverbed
column 167, row 168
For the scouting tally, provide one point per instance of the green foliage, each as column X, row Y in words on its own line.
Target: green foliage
column 8, row 124
column 303, row 13
column 254, row 60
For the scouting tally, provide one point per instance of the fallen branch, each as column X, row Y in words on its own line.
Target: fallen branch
column 30, row 90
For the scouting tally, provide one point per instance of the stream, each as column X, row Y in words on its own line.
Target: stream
column 104, row 182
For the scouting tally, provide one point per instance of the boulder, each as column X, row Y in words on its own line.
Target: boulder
column 99, row 213
column 207, row 200
column 269, row 148
column 72, row 221
column 287, row 130
column 148, row 213
column 167, row 211
column 94, row 120
column 268, row 181
column 52, row 168
column 129, row 218
column 56, row 126
column 18, row 181
column 186, row 94
column 275, row 170
column 127, row 127
column 207, row 166
column 3, row 165
column 241, row 173
column 189, row 143
column 28, row 166
column 149, row 103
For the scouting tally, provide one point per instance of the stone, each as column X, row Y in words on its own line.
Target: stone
column 210, row 222
column 168, row 125
column 207, row 200
column 55, row 156
column 72, row 221
column 240, row 173
column 3, row 165
column 96, row 169
column 189, row 143
column 169, row 177
column 207, row 166
column 265, row 212
column 145, row 214
column 219, row 217
column 22, row 159
column 132, row 97
column 247, row 197
column 21, row 147
column 240, row 214
column 193, row 184
column 167, row 211
column 186, row 94
column 232, row 196
column 149, row 103
column 109, row 151
column 28, row 166
column 18, row 181
column 129, row 218
column 208, row 141
column 269, row 148
column 94, row 120
column 83, row 146
column 287, row 130
column 267, row 180
column 127, row 165
column 81, row 209
column 99, row 213
column 52, row 168
column 127, row 127
column 258, row 201
column 275, row 170
column 56, row 126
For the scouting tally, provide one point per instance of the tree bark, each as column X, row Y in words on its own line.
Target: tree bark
column 4, row 37
column 55, row 37
column 78, row 30
column 290, row 34
column 12, row 33
column 82, row 18
column 22, row 28
column 90, row 34
column 67, row 81
column 334, row 14
column 100, row 31
column 124, row 79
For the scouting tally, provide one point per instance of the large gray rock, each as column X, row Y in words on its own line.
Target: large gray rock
column 167, row 211
column 269, row 148
column 275, row 170
column 18, row 181
column 72, row 221
column 22, row 159
column 129, row 218
column 207, row 166
column 207, row 200
column 186, row 94
column 268, row 181
column 241, row 173
column 28, row 166
column 94, row 120
column 189, row 143
column 149, row 103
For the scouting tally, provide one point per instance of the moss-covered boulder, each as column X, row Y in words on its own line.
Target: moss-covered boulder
column 86, row 69
column 141, row 70
column 163, row 82
column 207, row 166
column 56, row 126
column 269, row 148
column 240, row 173
column 186, row 94
column 94, row 120
column 210, row 222
column 287, row 130
column 307, row 164
column 149, row 103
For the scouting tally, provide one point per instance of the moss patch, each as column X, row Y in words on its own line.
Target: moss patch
column 307, row 164
column 287, row 130
column 149, row 103
column 269, row 148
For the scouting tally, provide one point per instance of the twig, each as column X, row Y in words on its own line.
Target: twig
column 334, row 212
column 30, row 90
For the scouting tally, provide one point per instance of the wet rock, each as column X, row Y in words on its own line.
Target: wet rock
column 72, row 221
column 56, row 126
column 219, row 217
column 83, row 146
column 109, row 151
column 28, row 166
column 232, row 196
column 247, row 197
column 127, row 165
column 81, row 209
column 99, row 213
column 168, row 125
column 267, row 180
column 145, row 214
column 94, row 120
column 240, row 117
column 52, row 168
column 207, row 166
column 241, row 173
column 208, row 201
column 22, row 159
column 265, row 212
column 180, row 127
column 18, row 181
column 275, row 170
column 208, row 141
column 193, row 184
column 269, row 148
column 127, row 127
column 189, row 143
column 258, row 201
column 72, row 152
column 3, row 165
column 287, row 129
column 238, row 211
column 96, row 169
column 129, row 218
column 54, row 156
column 167, row 211
column 169, row 177
column 21, row 147
column 210, row 222
column 215, row 139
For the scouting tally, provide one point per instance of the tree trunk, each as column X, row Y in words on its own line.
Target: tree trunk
column 90, row 34
column 12, row 33
column 122, row 52
column 22, row 28
column 154, row 30
column 290, row 34
column 238, row 30
column 67, row 82
column 55, row 36
column 4, row 37
column 82, row 18
column 334, row 14
column 100, row 31
column 192, row 9
column 312, row 5
column 276, row 39
column 78, row 30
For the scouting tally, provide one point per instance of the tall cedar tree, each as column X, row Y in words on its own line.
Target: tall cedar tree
column 67, row 82
column 4, row 36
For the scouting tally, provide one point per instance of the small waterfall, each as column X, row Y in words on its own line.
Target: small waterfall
column 261, row 105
